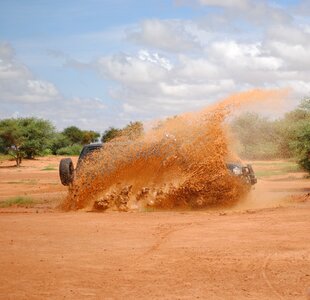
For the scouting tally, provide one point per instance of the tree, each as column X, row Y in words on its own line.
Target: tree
column 296, row 133
column 59, row 141
column 133, row 130
column 74, row 134
column 90, row 136
column 12, row 138
column 25, row 137
column 257, row 135
column 301, row 144
column 37, row 134
column 110, row 134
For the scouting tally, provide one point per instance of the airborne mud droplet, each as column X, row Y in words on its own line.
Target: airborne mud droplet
column 180, row 163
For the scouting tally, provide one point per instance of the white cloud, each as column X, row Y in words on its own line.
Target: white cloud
column 18, row 83
column 174, row 65
column 163, row 84
column 168, row 35
column 198, row 69
column 241, row 4
column 244, row 56
column 149, row 82
column 143, row 68
column 258, row 12
column 22, row 94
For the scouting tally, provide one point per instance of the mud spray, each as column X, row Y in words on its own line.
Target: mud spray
column 179, row 163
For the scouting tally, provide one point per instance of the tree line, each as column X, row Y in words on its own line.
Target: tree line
column 258, row 137
column 287, row 137
column 31, row 137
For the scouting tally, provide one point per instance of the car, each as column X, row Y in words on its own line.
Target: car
column 67, row 171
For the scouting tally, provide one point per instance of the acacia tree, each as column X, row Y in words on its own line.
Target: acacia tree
column 11, row 136
column 37, row 133
column 110, row 134
column 25, row 137
column 74, row 134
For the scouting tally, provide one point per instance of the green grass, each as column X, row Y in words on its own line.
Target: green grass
column 25, row 181
column 274, row 163
column 17, row 201
column 5, row 157
column 278, row 168
column 49, row 168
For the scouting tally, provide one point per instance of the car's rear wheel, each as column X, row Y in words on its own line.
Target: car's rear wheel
column 66, row 171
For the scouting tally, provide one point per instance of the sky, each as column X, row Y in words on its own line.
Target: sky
column 102, row 63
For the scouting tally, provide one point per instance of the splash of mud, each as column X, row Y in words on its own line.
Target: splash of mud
column 180, row 163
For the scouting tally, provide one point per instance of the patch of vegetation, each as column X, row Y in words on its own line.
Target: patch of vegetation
column 5, row 157
column 70, row 150
column 274, row 163
column 26, row 181
column 280, row 168
column 288, row 137
column 17, row 201
column 49, row 168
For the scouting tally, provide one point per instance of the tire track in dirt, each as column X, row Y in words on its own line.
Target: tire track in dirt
column 165, row 231
column 265, row 277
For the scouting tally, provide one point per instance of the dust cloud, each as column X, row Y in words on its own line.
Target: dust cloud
column 180, row 163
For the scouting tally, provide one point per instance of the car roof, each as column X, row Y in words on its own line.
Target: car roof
column 93, row 145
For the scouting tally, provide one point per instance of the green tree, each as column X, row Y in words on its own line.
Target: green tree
column 12, row 138
column 59, row 141
column 132, row 131
column 25, row 137
column 74, row 134
column 295, row 133
column 257, row 135
column 37, row 134
column 301, row 144
column 110, row 134
column 90, row 136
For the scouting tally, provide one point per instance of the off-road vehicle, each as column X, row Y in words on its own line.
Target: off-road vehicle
column 67, row 171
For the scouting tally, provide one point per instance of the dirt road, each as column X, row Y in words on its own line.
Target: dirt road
column 189, row 255
column 257, row 250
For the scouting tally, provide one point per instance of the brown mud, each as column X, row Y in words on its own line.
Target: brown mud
column 179, row 163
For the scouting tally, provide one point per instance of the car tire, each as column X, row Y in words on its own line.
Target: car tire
column 66, row 171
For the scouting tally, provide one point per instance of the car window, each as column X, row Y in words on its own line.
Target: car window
column 87, row 150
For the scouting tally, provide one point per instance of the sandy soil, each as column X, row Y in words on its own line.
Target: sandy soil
column 37, row 179
column 259, row 249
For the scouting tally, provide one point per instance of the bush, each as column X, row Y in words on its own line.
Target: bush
column 260, row 151
column 47, row 152
column 301, row 144
column 70, row 150
column 257, row 135
column 59, row 141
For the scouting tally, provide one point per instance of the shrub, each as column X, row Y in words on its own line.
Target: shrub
column 17, row 201
column 70, row 150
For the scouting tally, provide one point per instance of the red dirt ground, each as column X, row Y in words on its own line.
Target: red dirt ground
column 259, row 249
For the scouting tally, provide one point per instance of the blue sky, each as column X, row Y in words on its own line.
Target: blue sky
column 97, row 64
